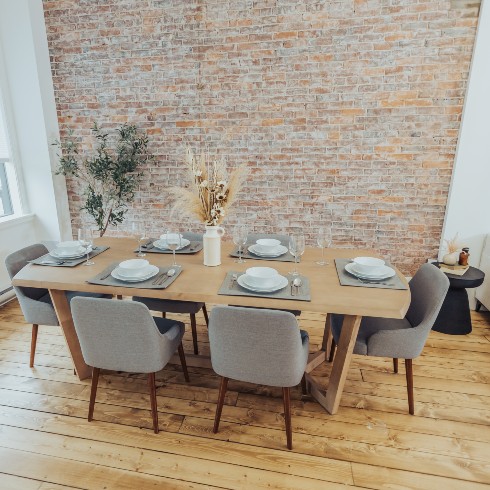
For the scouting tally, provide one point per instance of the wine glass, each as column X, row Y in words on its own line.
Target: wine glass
column 323, row 239
column 138, row 230
column 240, row 234
column 86, row 239
column 297, row 249
column 174, row 241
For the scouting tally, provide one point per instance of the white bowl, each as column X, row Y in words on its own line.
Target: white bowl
column 267, row 245
column 69, row 247
column 261, row 276
column 173, row 236
column 368, row 265
column 133, row 267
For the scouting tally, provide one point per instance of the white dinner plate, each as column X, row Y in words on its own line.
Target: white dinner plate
column 58, row 255
column 278, row 251
column 162, row 244
column 152, row 271
column 282, row 282
column 384, row 273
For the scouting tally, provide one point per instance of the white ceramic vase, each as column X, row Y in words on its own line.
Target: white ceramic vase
column 451, row 259
column 212, row 245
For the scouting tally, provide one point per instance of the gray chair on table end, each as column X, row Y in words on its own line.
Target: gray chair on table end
column 401, row 338
column 174, row 306
column 257, row 346
column 35, row 303
column 123, row 336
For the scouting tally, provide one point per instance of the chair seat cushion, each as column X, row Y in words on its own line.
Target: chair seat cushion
column 172, row 328
column 369, row 326
column 71, row 294
column 293, row 312
column 170, row 305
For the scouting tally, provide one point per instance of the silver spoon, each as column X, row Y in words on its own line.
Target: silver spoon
column 297, row 283
column 170, row 273
column 234, row 277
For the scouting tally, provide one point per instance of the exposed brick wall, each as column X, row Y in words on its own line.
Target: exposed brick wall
column 347, row 112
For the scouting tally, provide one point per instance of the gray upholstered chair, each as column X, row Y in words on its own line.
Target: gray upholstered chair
column 257, row 346
column 405, row 338
column 174, row 306
column 123, row 336
column 35, row 303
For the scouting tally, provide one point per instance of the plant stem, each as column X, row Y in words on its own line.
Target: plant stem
column 106, row 223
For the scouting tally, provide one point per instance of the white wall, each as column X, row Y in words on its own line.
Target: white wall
column 468, row 209
column 30, row 104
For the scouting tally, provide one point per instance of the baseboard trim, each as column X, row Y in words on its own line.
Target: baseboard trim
column 7, row 295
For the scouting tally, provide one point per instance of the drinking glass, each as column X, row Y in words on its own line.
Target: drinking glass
column 297, row 249
column 174, row 241
column 86, row 239
column 240, row 235
column 138, row 230
column 323, row 239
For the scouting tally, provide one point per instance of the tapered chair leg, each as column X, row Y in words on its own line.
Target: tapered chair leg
column 221, row 400
column 153, row 401
column 332, row 351
column 395, row 365
column 205, row 313
column 182, row 362
column 286, row 396
column 164, row 315
column 194, row 333
column 119, row 296
column 93, row 393
column 35, row 329
column 409, row 373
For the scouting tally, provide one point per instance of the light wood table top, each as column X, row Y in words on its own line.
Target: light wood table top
column 200, row 283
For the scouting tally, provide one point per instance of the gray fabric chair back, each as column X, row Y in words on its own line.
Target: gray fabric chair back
column 18, row 260
column 121, row 335
column 428, row 288
column 253, row 237
column 257, row 346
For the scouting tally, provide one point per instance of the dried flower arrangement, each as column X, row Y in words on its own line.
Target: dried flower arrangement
column 452, row 245
column 211, row 190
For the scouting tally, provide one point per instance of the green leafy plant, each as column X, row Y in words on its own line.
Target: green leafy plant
column 110, row 175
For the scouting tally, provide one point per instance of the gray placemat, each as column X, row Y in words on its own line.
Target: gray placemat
column 104, row 278
column 287, row 257
column 347, row 279
column 192, row 248
column 53, row 262
column 232, row 288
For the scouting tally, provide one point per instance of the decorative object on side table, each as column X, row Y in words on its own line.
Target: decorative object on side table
column 451, row 257
column 464, row 256
column 210, row 193
column 110, row 176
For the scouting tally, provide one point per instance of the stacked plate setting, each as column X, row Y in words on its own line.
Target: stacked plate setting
column 162, row 244
column 262, row 280
column 369, row 269
column 134, row 270
column 267, row 248
column 69, row 250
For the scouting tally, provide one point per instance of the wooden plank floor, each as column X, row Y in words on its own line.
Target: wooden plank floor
column 372, row 442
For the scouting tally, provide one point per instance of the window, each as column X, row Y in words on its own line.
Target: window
column 5, row 199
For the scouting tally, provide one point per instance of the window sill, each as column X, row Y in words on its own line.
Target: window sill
column 9, row 221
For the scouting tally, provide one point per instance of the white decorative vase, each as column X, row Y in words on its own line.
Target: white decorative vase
column 451, row 259
column 212, row 245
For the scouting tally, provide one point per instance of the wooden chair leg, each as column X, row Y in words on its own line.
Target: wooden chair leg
column 286, row 396
column 119, row 296
column 395, row 365
column 153, row 401
column 35, row 329
column 164, row 314
column 205, row 313
column 183, row 363
column 304, row 386
column 194, row 333
column 93, row 393
column 221, row 400
column 409, row 373
column 332, row 351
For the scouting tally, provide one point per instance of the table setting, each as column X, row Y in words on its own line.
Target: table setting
column 266, row 282
column 368, row 272
column 137, row 273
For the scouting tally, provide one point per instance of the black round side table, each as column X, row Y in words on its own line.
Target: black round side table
column 454, row 317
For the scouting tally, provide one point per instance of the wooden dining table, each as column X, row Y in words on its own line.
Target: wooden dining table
column 201, row 284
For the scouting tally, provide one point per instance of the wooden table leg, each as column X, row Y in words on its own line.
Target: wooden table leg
column 330, row 399
column 317, row 358
column 65, row 319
